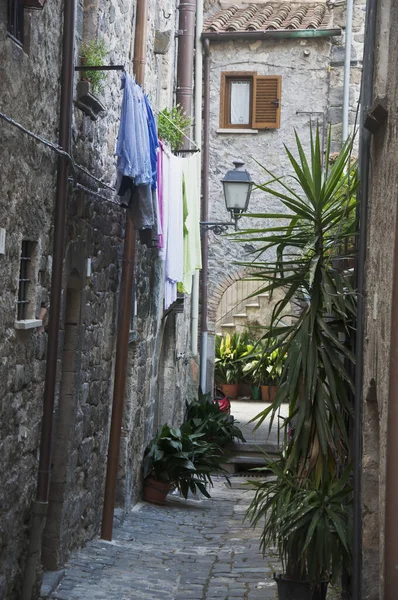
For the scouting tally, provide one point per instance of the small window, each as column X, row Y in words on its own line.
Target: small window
column 16, row 21
column 25, row 309
column 250, row 101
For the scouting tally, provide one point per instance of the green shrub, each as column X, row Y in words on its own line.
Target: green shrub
column 172, row 125
column 93, row 54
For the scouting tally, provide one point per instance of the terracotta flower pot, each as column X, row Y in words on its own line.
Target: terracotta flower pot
column 230, row 389
column 268, row 393
column 155, row 491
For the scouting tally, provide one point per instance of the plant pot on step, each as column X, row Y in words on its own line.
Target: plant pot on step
column 230, row 389
column 268, row 393
column 244, row 389
column 155, row 491
column 255, row 392
column 288, row 589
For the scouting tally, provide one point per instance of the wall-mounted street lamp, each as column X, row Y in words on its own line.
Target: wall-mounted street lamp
column 237, row 185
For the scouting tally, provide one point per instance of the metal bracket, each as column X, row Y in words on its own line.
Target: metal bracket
column 218, row 227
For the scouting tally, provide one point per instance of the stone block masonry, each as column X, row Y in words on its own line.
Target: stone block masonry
column 95, row 228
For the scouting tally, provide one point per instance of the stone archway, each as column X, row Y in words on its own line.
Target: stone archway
column 217, row 293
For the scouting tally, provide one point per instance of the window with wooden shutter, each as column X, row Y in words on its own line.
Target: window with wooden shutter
column 250, row 101
column 266, row 101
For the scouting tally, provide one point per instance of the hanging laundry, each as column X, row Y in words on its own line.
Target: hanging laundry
column 191, row 206
column 153, row 140
column 174, row 246
column 160, row 194
column 133, row 149
column 137, row 162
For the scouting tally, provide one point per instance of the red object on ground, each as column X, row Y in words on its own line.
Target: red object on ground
column 222, row 401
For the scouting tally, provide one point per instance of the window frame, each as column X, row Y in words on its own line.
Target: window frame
column 225, row 100
column 16, row 21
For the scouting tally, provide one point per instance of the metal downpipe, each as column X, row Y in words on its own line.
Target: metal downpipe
column 347, row 68
column 198, row 139
column 205, row 217
column 125, row 305
column 39, row 508
column 364, row 160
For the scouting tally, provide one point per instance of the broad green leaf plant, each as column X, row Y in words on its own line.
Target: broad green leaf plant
column 305, row 240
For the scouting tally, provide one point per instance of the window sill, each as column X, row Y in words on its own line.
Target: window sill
column 234, row 131
column 28, row 324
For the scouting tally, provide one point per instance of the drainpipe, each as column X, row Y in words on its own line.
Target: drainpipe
column 198, row 140
column 186, row 43
column 125, row 306
column 347, row 67
column 39, row 507
column 205, row 217
column 364, row 163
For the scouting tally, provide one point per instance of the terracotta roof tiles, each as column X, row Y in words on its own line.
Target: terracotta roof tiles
column 268, row 16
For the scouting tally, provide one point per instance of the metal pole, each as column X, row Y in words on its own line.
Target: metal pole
column 347, row 67
column 39, row 509
column 205, row 217
column 198, row 140
column 125, row 304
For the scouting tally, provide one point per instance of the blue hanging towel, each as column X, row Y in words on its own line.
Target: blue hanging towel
column 153, row 141
column 133, row 145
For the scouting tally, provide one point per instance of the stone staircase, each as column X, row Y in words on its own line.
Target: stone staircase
column 255, row 311
column 242, row 457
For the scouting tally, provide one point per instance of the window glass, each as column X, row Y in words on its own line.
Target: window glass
column 240, row 102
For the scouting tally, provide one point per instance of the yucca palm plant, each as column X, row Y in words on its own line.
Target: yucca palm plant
column 320, row 215
column 309, row 525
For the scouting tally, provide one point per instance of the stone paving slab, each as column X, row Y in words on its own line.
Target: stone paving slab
column 185, row 550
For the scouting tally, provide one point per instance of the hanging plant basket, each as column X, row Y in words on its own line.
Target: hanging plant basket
column 87, row 102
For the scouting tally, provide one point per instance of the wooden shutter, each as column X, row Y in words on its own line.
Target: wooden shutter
column 267, row 101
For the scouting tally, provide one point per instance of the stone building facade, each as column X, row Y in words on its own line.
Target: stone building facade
column 310, row 68
column 158, row 383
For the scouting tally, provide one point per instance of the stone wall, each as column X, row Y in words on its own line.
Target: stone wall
column 312, row 92
column 158, row 382
column 305, row 86
column 378, row 304
column 29, row 93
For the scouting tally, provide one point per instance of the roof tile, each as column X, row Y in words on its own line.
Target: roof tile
column 268, row 16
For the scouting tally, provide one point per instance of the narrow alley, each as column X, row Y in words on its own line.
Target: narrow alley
column 185, row 550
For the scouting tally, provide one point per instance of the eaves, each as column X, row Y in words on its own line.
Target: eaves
column 226, row 36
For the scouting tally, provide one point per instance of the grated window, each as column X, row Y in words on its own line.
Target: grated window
column 16, row 21
column 24, row 280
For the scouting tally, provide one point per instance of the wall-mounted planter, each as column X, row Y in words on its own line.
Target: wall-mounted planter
column 87, row 102
column 37, row 4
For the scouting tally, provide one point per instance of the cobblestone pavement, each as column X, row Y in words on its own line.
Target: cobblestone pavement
column 185, row 550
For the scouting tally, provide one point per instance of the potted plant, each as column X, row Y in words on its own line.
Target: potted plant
column 92, row 54
column 217, row 427
column 226, row 366
column 178, row 458
column 308, row 524
column 308, row 503
column 173, row 126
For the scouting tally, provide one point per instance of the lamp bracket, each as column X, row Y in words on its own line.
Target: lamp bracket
column 219, row 227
